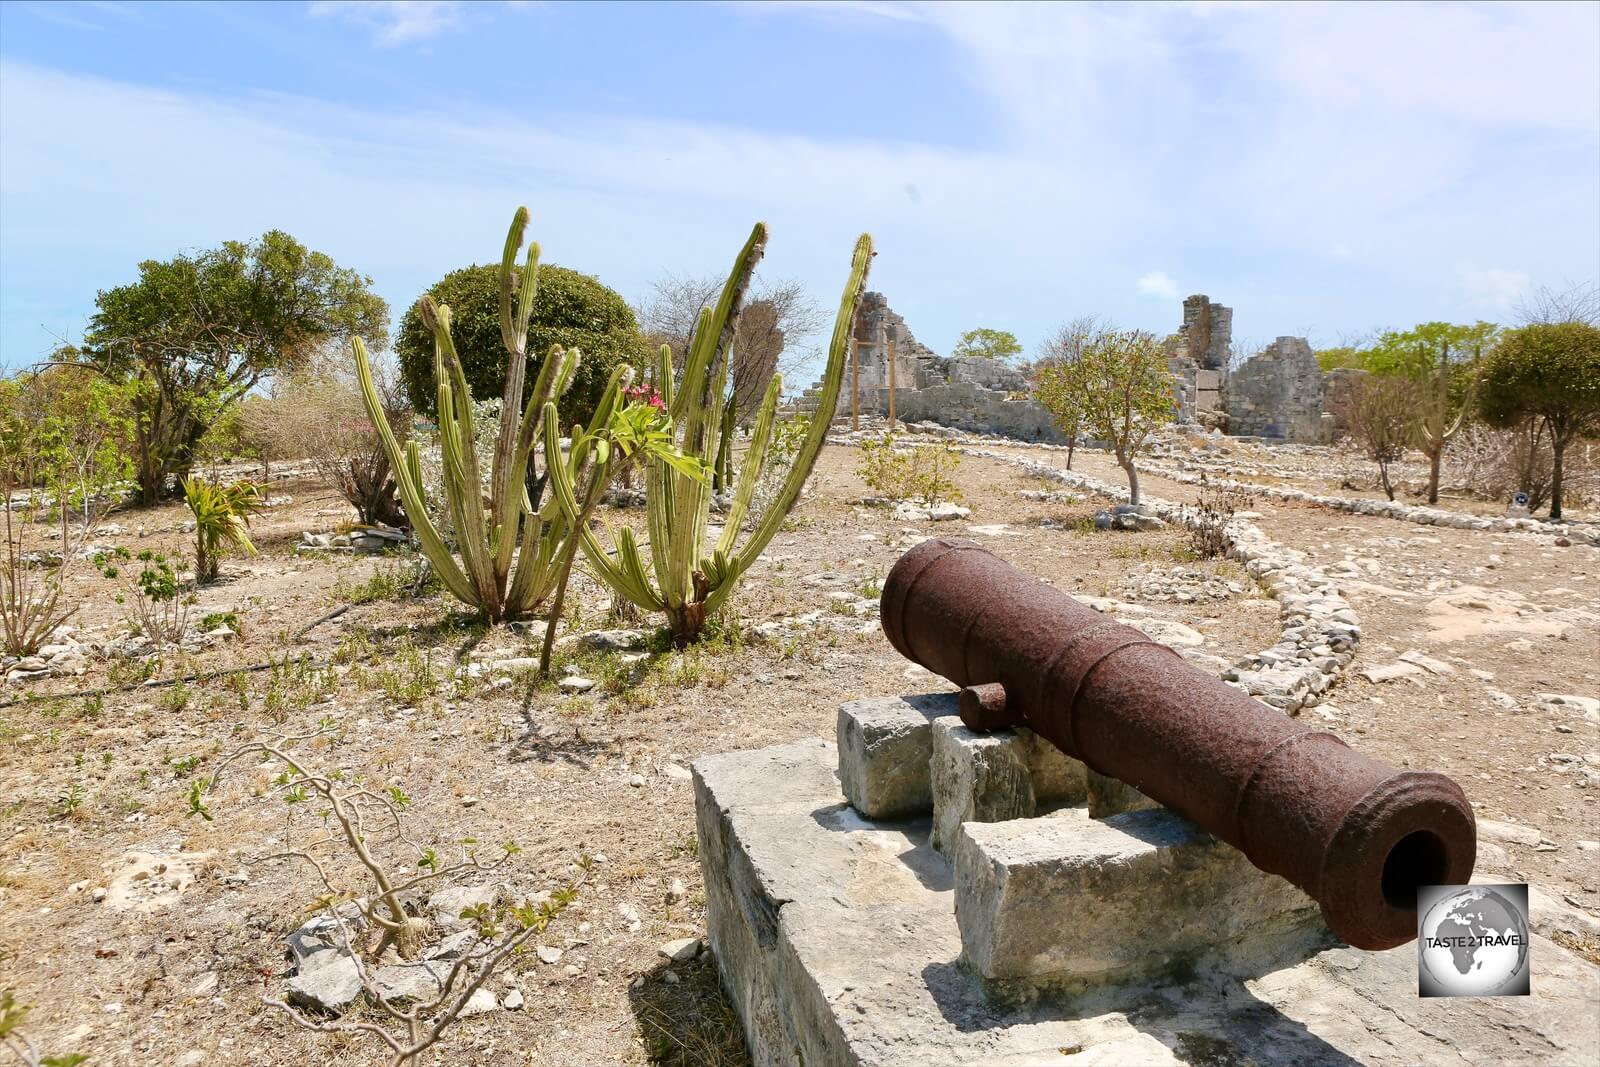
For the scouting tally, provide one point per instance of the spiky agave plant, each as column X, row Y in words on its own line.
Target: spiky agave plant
column 513, row 555
column 682, row 580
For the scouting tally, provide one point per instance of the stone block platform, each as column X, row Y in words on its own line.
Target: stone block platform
column 838, row 943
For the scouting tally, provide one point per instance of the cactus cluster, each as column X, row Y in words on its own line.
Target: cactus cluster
column 682, row 579
column 514, row 551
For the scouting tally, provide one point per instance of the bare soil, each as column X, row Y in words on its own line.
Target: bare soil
column 519, row 761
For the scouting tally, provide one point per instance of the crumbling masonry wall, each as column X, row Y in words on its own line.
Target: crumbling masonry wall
column 1279, row 393
column 1207, row 332
column 975, row 394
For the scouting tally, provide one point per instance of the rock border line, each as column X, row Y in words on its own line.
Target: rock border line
column 1588, row 533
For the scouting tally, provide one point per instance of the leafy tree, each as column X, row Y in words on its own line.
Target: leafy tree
column 67, row 433
column 1121, row 389
column 570, row 309
column 1550, row 371
column 61, row 466
column 1339, row 357
column 1056, row 378
column 1438, row 359
column 984, row 343
column 197, row 332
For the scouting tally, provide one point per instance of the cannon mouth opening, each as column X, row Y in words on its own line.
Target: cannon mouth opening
column 1416, row 860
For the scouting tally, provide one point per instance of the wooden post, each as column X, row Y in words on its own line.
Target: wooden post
column 890, row 343
column 855, row 387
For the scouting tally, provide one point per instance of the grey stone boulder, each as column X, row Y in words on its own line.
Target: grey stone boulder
column 410, row 980
column 448, row 903
column 331, row 985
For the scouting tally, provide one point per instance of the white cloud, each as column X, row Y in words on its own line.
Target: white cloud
column 1492, row 287
column 395, row 22
column 1156, row 283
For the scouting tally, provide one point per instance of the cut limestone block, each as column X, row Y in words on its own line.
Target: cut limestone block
column 1109, row 796
column 885, row 745
column 977, row 778
column 1058, row 779
column 837, row 942
column 991, row 777
column 1069, row 901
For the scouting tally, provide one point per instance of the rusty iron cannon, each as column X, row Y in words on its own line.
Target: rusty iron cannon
column 1355, row 834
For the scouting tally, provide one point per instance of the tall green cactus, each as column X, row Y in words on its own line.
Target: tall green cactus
column 687, row 583
column 513, row 556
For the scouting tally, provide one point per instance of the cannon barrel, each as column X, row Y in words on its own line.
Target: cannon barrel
column 1356, row 835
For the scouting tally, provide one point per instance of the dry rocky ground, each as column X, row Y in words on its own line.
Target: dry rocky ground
column 147, row 936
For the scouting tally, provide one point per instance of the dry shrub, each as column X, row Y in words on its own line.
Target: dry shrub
column 1494, row 464
column 1376, row 413
column 319, row 417
column 1215, row 507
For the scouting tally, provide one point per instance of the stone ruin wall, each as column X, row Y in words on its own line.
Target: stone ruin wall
column 978, row 395
column 1280, row 393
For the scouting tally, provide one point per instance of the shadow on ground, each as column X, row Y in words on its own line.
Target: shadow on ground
column 685, row 1019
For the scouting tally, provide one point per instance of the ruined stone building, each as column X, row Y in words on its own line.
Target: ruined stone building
column 1280, row 393
column 976, row 394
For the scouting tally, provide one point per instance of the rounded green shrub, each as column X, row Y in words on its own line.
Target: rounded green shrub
column 571, row 309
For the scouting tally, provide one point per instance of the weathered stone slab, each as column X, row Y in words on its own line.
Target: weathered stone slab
column 1058, row 779
column 991, row 777
column 1109, row 796
column 885, row 745
column 838, row 944
column 977, row 777
column 1072, row 901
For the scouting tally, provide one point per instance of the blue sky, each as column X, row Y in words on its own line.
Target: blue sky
column 1323, row 169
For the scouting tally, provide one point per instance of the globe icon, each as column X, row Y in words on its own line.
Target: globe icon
column 1475, row 943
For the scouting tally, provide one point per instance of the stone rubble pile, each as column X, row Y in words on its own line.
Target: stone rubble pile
column 1180, row 585
column 64, row 655
column 368, row 539
column 1319, row 629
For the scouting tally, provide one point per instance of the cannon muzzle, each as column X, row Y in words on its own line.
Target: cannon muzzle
column 1356, row 835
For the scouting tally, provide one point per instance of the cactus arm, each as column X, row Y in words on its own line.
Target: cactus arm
column 725, row 319
column 754, row 458
column 455, row 500
column 833, row 376
column 508, row 284
column 526, row 294
column 625, row 574
column 677, row 526
column 664, row 376
column 560, row 470
column 406, row 476
column 632, row 564
column 658, row 488
column 457, row 440
column 501, row 487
